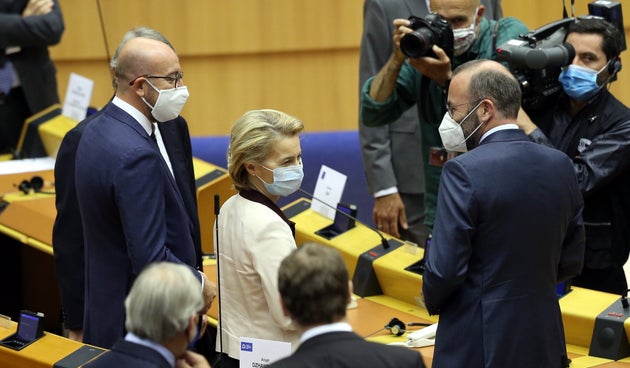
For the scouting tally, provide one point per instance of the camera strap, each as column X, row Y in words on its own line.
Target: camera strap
column 495, row 31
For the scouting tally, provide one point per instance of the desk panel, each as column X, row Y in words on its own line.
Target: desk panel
column 210, row 180
column 32, row 215
column 43, row 353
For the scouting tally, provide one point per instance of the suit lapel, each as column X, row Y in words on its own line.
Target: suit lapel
column 120, row 115
column 175, row 138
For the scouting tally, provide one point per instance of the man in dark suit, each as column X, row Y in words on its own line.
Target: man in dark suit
column 27, row 29
column 131, row 208
column 508, row 229
column 67, row 230
column 163, row 318
column 315, row 291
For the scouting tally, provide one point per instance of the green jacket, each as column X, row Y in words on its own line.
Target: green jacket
column 412, row 88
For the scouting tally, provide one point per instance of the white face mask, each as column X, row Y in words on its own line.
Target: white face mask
column 169, row 102
column 452, row 133
column 463, row 38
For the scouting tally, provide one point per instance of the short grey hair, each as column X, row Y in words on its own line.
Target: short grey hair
column 162, row 300
column 144, row 32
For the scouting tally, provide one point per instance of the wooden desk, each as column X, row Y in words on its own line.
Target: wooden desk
column 10, row 182
column 30, row 221
column 43, row 353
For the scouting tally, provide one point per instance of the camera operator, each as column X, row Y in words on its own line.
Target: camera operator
column 422, row 81
column 593, row 128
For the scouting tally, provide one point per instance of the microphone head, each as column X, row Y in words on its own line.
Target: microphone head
column 217, row 204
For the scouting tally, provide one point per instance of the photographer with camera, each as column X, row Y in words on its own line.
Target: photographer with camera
column 457, row 33
column 593, row 128
column 392, row 157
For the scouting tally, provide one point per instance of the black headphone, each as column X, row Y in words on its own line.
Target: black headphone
column 34, row 185
column 613, row 66
column 396, row 327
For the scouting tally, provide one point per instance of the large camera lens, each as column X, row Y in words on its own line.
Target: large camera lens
column 417, row 43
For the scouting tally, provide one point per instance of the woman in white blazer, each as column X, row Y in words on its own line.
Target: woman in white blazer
column 265, row 162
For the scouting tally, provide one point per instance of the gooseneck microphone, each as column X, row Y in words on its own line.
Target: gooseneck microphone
column 384, row 241
column 217, row 208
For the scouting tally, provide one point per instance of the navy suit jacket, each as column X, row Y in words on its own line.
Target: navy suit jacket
column 347, row 350
column 508, row 229
column 125, row 354
column 132, row 213
column 68, row 230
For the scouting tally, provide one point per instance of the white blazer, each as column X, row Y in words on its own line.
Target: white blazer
column 253, row 240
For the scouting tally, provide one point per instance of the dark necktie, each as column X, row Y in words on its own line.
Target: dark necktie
column 153, row 134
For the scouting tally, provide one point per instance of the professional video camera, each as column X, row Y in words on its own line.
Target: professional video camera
column 536, row 58
column 428, row 31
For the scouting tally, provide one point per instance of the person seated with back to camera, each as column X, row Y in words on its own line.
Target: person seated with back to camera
column 315, row 291
column 163, row 320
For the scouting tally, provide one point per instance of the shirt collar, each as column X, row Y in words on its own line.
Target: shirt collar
column 170, row 358
column 135, row 113
column 320, row 330
column 496, row 129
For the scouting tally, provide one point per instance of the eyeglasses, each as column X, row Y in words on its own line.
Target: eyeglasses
column 173, row 78
column 451, row 109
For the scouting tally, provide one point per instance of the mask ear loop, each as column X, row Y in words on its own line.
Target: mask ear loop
column 478, row 126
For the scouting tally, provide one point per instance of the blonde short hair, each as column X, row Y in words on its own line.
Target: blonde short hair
column 252, row 138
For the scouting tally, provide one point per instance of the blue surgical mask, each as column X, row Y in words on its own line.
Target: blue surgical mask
column 286, row 180
column 580, row 83
column 191, row 344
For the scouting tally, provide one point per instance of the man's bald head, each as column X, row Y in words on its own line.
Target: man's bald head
column 143, row 56
column 488, row 79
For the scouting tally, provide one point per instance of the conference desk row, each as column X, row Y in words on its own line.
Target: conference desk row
column 385, row 289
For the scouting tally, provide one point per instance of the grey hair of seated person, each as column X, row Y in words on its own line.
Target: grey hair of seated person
column 162, row 300
column 253, row 137
column 313, row 285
